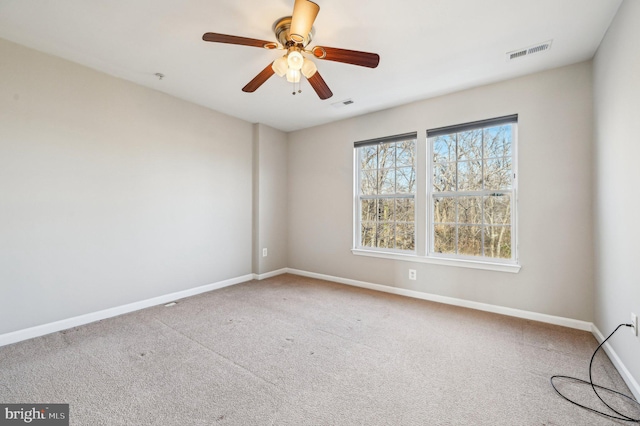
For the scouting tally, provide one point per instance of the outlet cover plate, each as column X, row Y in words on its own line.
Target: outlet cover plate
column 412, row 274
column 634, row 321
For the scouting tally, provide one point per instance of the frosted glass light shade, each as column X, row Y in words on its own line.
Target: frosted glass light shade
column 295, row 59
column 293, row 76
column 280, row 66
column 308, row 68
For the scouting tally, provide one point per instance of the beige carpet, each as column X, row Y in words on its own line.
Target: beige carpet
column 296, row 351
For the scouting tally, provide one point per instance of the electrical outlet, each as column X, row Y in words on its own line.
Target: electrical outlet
column 264, row 252
column 634, row 322
column 412, row 274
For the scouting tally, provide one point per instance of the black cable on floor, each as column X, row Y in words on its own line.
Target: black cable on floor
column 619, row 416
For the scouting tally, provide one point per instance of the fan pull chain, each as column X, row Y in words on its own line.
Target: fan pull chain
column 294, row 88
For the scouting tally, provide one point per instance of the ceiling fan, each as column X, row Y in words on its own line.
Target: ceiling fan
column 294, row 33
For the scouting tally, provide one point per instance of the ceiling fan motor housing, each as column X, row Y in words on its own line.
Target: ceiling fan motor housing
column 281, row 29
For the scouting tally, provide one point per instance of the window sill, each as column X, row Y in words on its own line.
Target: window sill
column 489, row 266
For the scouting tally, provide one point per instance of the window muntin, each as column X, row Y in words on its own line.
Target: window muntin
column 472, row 191
column 386, row 193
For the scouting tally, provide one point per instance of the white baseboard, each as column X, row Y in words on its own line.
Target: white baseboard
column 270, row 274
column 550, row 319
column 41, row 330
column 617, row 362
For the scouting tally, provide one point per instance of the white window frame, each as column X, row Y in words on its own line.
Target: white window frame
column 424, row 213
column 431, row 195
column 357, row 234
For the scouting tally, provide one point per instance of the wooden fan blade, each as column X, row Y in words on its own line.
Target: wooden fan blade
column 259, row 79
column 319, row 85
column 243, row 41
column 353, row 57
column 304, row 14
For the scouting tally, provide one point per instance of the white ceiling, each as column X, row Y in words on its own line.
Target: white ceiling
column 426, row 47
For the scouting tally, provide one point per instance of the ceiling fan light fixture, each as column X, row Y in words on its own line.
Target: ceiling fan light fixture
column 294, row 33
column 308, row 68
column 293, row 76
column 295, row 60
column 280, row 66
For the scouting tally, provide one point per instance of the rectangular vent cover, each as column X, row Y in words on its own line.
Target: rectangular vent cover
column 514, row 54
column 342, row 103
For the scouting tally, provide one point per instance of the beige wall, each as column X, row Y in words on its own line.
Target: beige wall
column 554, row 207
column 617, row 150
column 269, row 199
column 111, row 193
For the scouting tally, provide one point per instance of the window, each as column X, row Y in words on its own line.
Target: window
column 472, row 190
column 386, row 186
column 449, row 199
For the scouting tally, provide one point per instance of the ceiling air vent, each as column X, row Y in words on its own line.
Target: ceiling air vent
column 514, row 54
column 342, row 103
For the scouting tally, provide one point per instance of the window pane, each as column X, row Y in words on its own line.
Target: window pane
column 444, row 148
column 497, row 141
column 497, row 209
column 405, row 210
column 368, row 234
column 368, row 157
column 387, row 181
column 470, row 240
column 444, row 239
column 497, row 241
column 470, row 210
column 405, row 153
column 386, row 235
column 387, row 155
column 470, row 145
column 368, row 182
column 444, row 177
column 405, row 180
column 469, row 175
column 405, row 236
column 386, row 211
column 368, row 210
column 444, row 210
column 497, row 173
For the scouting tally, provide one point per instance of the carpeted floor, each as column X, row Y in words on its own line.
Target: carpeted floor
column 297, row 351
